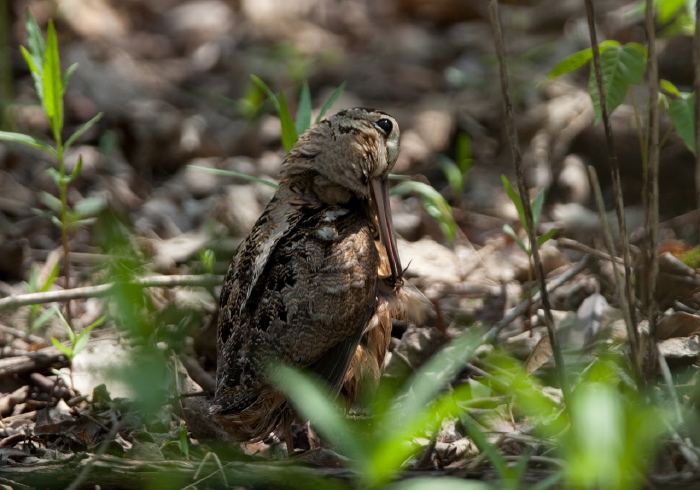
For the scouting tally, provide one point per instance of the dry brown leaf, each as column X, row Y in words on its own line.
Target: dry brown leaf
column 679, row 324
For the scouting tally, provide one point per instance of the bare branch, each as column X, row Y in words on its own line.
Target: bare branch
column 615, row 173
column 14, row 301
column 524, row 195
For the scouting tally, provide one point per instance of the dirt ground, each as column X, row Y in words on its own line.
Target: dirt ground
column 172, row 78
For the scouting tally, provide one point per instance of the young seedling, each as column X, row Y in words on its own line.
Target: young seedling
column 42, row 58
column 536, row 212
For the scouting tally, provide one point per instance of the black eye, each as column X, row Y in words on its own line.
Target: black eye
column 385, row 125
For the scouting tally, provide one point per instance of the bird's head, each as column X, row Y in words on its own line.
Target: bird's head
column 347, row 155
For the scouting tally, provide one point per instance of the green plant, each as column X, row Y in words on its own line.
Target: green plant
column 380, row 445
column 456, row 170
column 536, row 212
column 292, row 129
column 433, row 203
column 42, row 58
column 36, row 320
column 623, row 66
column 77, row 342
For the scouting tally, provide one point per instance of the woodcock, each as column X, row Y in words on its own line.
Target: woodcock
column 316, row 282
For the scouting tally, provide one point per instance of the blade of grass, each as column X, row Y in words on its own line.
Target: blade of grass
column 289, row 132
column 304, row 110
column 331, row 100
column 80, row 131
column 28, row 141
column 52, row 83
column 233, row 173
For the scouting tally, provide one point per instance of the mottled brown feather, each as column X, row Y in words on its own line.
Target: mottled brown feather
column 311, row 285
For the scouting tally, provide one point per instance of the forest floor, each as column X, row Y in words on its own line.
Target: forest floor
column 172, row 78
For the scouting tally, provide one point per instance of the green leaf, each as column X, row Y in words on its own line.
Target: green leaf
column 508, row 230
column 43, row 319
column 65, row 350
column 28, row 141
column 537, row 208
column 331, row 100
column 303, row 121
column 270, row 94
column 667, row 10
column 481, row 441
column 233, row 173
column 454, row 176
column 515, row 199
column 669, row 87
column 82, row 339
column 68, row 73
column 34, row 56
column 51, row 82
column 50, row 201
column 434, row 204
column 570, row 63
column 35, row 40
column 35, row 70
column 441, row 483
column 289, row 132
column 621, row 66
column 400, row 424
column 90, row 206
column 80, row 131
column 51, row 278
column 66, row 325
column 313, row 401
column 547, row 236
column 464, row 152
column 681, row 113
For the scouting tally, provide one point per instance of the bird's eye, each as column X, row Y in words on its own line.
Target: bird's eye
column 385, row 125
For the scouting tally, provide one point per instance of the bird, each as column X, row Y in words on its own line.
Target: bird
column 318, row 279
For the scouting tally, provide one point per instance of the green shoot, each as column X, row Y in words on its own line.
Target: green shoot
column 680, row 110
column 42, row 58
column 291, row 130
column 623, row 66
column 434, row 204
column 536, row 212
column 37, row 321
column 77, row 341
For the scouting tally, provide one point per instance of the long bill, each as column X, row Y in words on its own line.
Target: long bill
column 380, row 201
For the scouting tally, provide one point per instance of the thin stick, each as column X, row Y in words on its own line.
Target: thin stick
column 696, row 88
column 524, row 195
column 614, row 166
column 622, row 297
column 14, row 301
column 553, row 285
column 580, row 247
column 652, row 200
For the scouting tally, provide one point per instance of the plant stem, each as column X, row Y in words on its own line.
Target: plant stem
column 696, row 88
column 65, row 232
column 652, row 198
column 617, row 188
column 527, row 207
column 5, row 66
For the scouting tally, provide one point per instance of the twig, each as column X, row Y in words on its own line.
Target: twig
column 101, row 450
column 622, row 297
column 580, row 247
column 14, row 301
column 652, row 200
column 32, row 362
column 31, row 338
column 614, row 170
column 525, row 197
column 696, row 88
column 553, row 284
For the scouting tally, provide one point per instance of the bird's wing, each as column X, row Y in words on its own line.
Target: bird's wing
column 309, row 304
